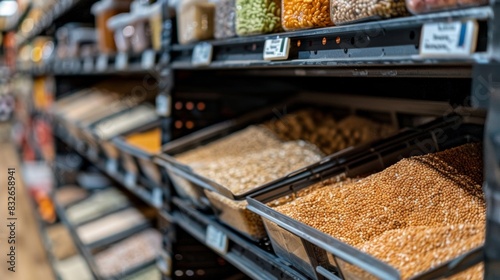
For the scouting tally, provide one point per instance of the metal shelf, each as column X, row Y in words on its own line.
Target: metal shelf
column 242, row 253
column 391, row 47
column 57, row 11
column 154, row 199
column 113, row 64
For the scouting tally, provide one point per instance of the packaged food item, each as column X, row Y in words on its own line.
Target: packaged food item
column 258, row 17
column 426, row 6
column 225, row 19
column 103, row 10
column 61, row 241
column 348, row 11
column 195, row 20
column 303, row 14
column 67, row 195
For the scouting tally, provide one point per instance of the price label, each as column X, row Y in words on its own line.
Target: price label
column 216, row 239
column 88, row 64
column 202, row 54
column 163, row 105
column 130, row 180
column 449, row 39
column 276, row 49
column 148, row 59
column 111, row 166
column 157, row 197
column 121, row 62
column 102, row 63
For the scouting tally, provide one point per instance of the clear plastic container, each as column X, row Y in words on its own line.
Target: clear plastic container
column 120, row 25
column 195, row 20
column 225, row 19
column 303, row 14
column 103, row 10
column 258, row 17
column 349, row 11
column 426, row 6
column 141, row 37
column 156, row 24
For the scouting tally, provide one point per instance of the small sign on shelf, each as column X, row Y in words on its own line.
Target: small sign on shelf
column 202, row 54
column 216, row 239
column 449, row 39
column 277, row 49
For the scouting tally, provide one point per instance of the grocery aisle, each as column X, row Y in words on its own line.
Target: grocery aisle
column 31, row 257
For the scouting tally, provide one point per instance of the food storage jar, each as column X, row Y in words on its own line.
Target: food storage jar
column 102, row 11
column 425, row 6
column 156, row 24
column 123, row 30
column 225, row 19
column 349, row 11
column 257, row 17
column 195, row 20
column 303, row 14
column 141, row 37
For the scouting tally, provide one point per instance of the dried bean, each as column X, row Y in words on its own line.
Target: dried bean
column 432, row 204
column 257, row 17
column 343, row 11
column 301, row 14
column 225, row 13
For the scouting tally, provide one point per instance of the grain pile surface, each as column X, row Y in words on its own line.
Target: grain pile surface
column 414, row 214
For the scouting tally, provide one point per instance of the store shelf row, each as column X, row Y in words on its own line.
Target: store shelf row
column 391, row 44
column 59, row 9
column 255, row 260
column 153, row 197
column 103, row 64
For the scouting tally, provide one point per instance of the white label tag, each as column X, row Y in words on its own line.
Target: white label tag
column 102, row 63
column 121, row 62
column 130, row 180
column 157, row 197
column 276, row 49
column 163, row 105
column 111, row 166
column 148, row 59
column 202, row 54
column 216, row 239
column 88, row 64
column 449, row 39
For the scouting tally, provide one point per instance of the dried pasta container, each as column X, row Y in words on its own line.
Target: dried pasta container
column 103, row 10
column 156, row 24
column 426, row 6
column 257, row 17
column 225, row 19
column 349, row 11
column 195, row 20
column 303, row 14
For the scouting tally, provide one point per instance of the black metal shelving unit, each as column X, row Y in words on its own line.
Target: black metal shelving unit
column 388, row 49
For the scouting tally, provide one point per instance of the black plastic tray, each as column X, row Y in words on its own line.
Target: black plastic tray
column 441, row 134
column 343, row 105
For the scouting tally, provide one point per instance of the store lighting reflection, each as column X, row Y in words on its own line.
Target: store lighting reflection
column 8, row 8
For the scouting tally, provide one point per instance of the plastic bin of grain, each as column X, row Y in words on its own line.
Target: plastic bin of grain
column 195, row 20
column 352, row 245
column 103, row 10
column 258, row 17
column 303, row 14
column 350, row 11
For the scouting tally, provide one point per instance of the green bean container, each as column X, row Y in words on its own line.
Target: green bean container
column 258, row 17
